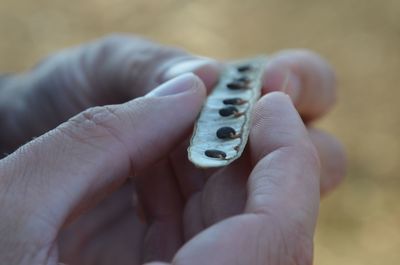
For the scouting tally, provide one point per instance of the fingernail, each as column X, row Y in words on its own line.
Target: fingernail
column 284, row 80
column 187, row 66
column 175, row 86
column 206, row 69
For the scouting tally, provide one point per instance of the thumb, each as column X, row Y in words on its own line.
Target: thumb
column 58, row 175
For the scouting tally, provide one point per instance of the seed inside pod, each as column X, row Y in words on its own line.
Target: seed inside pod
column 243, row 79
column 226, row 133
column 228, row 111
column 215, row 153
column 234, row 101
column 236, row 85
column 244, row 68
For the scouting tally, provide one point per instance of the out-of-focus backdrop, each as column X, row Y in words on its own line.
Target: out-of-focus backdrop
column 360, row 222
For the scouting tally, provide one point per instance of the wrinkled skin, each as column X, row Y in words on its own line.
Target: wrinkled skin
column 113, row 185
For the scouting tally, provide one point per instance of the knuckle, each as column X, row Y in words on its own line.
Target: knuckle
column 93, row 123
column 103, row 129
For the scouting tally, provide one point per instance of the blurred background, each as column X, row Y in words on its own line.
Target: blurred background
column 360, row 222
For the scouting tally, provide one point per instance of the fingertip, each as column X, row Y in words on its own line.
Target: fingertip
column 275, row 124
column 277, row 96
column 206, row 69
column 281, row 78
column 271, row 103
column 209, row 74
column 199, row 85
column 272, row 106
column 307, row 77
column 194, row 85
column 185, row 83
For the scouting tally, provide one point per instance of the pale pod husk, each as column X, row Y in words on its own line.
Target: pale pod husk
column 222, row 128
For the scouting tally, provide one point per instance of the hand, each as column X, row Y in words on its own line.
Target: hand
column 115, row 222
column 112, row 70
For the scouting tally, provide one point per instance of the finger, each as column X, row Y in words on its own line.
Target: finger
column 284, row 185
column 133, row 66
column 72, row 167
column 283, row 197
column 190, row 178
column 224, row 195
column 287, row 168
column 162, row 203
column 333, row 159
column 119, row 244
column 193, row 220
column 306, row 77
column 74, row 238
column 208, row 70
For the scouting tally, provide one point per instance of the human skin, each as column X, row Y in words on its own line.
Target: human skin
column 112, row 184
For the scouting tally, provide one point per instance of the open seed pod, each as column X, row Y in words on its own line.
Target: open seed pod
column 222, row 128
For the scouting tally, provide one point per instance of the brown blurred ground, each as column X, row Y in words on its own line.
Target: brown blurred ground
column 359, row 223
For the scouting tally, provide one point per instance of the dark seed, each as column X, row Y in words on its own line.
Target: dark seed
column 236, row 85
column 243, row 79
column 226, row 133
column 244, row 68
column 215, row 153
column 234, row 101
column 228, row 111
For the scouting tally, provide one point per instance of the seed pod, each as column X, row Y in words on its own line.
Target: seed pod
column 221, row 131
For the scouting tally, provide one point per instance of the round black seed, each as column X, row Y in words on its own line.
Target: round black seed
column 226, row 133
column 244, row 68
column 243, row 79
column 234, row 101
column 228, row 111
column 236, row 85
column 215, row 153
